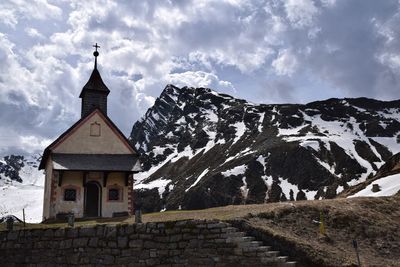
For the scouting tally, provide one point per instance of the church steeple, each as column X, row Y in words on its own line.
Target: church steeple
column 94, row 93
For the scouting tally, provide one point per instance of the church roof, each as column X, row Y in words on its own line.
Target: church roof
column 95, row 162
column 48, row 150
column 95, row 83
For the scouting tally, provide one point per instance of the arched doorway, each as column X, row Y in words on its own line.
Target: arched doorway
column 92, row 200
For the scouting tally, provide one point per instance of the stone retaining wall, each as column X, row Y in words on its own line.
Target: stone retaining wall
column 181, row 243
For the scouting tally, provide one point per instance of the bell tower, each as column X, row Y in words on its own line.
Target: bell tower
column 94, row 93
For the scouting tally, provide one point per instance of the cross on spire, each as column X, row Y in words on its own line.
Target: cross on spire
column 95, row 54
column 96, row 46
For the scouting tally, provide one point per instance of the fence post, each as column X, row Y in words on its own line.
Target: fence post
column 71, row 220
column 321, row 224
column 23, row 216
column 355, row 245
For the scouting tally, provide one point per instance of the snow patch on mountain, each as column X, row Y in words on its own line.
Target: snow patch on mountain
column 244, row 189
column 198, row 179
column 210, row 115
column 160, row 184
column 310, row 143
column 235, row 171
column 240, row 130
column 389, row 186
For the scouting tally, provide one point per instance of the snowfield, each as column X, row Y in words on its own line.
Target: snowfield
column 27, row 195
column 14, row 198
column 389, row 186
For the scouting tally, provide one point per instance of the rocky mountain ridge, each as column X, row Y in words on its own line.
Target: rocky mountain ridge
column 17, row 168
column 203, row 149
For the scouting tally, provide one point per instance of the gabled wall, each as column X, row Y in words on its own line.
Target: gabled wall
column 80, row 140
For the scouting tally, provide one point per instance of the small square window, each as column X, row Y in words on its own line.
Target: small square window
column 69, row 195
column 113, row 194
column 95, row 129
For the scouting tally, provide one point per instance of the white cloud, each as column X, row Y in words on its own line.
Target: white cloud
column 33, row 144
column 300, row 12
column 391, row 60
column 32, row 32
column 13, row 11
column 199, row 79
column 286, row 63
column 253, row 49
column 8, row 17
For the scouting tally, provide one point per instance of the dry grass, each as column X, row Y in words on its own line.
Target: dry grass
column 373, row 222
column 59, row 224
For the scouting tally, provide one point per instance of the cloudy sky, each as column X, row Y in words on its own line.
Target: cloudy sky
column 272, row 51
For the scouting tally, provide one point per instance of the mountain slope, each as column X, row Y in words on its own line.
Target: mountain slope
column 21, row 187
column 203, row 149
column 386, row 181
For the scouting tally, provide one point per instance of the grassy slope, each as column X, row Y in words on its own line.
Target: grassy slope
column 374, row 222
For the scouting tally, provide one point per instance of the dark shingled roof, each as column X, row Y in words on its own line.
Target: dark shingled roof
column 95, row 83
column 95, row 162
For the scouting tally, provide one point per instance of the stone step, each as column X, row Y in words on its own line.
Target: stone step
column 239, row 240
column 235, row 234
column 244, row 244
column 287, row 264
column 263, row 248
column 256, row 244
column 249, row 247
column 273, row 253
column 282, row 258
column 231, row 229
column 254, row 249
column 248, row 238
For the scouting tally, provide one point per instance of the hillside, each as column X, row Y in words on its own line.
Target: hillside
column 293, row 228
column 204, row 149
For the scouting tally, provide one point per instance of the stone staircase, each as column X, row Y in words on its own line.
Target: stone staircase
column 254, row 251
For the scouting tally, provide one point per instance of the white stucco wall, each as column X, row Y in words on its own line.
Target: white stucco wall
column 47, row 189
column 118, row 180
column 70, row 179
column 73, row 179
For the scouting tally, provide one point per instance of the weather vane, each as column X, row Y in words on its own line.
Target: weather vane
column 95, row 54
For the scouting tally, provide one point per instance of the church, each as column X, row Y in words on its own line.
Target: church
column 89, row 168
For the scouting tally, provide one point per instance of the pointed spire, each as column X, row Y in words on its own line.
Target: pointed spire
column 94, row 93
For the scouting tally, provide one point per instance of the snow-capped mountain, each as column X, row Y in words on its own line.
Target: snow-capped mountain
column 21, row 187
column 203, row 149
